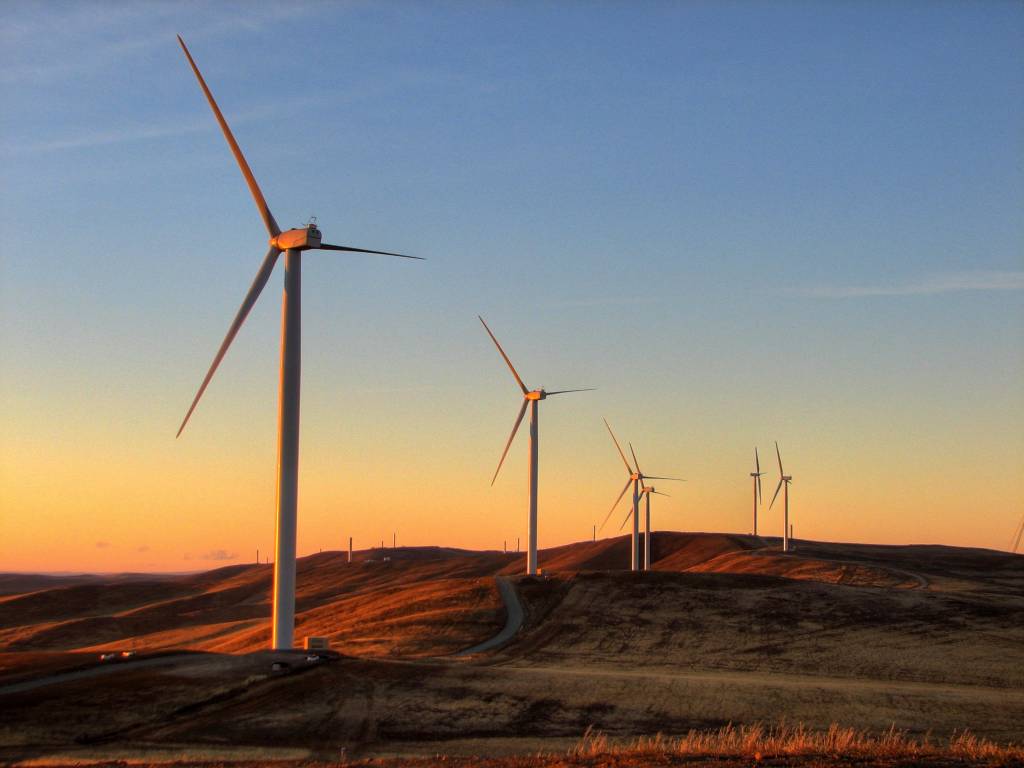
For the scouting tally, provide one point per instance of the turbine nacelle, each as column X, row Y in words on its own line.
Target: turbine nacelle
column 303, row 239
column 537, row 394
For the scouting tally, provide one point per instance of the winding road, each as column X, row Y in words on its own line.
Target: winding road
column 513, row 620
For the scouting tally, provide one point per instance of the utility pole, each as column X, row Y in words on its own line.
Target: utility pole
column 350, row 549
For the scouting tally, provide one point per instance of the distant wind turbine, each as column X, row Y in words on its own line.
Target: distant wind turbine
column 784, row 479
column 530, row 398
column 758, row 496
column 646, row 491
column 636, row 479
column 292, row 243
column 1018, row 535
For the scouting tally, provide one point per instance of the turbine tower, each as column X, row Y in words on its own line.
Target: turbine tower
column 292, row 243
column 784, row 479
column 646, row 492
column 530, row 398
column 758, row 496
column 636, row 479
column 1017, row 536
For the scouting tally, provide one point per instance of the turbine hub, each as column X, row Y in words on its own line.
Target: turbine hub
column 297, row 239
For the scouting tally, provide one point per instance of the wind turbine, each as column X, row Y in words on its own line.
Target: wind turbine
column 758, row 496
column 292, row 243
column 530, row 398
column 1017, row 536
column 783, row 479
column 636, row 479
column 646, row 492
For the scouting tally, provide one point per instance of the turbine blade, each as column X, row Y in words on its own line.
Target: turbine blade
column 254, row 188
column 636, row 461
column 777, row 488
column 624, row 489
column 511, row 367
column 1020, row 532
column 519, row 420
column 624, row 460
column 327, row 247
column 628, row 515
column 563, row 391
column 760, row 493
column 780, row 458
column 659, row 477
column 258, row 283
column 757, row 461
column 659, row 493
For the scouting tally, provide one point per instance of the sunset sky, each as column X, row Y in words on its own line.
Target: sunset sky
column 740, row 222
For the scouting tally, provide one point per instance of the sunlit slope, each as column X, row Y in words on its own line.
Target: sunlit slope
column 419, row 601
column 426, row 601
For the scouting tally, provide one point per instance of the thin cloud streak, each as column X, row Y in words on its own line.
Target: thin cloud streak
column 606, row 301
column 952, row 282
column 144, row 132
column 102, row 40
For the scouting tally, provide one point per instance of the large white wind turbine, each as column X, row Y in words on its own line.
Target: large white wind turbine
column 784, row 479
column 758, row 496
column 636, row 479
column 292, row 243
column 530, row 398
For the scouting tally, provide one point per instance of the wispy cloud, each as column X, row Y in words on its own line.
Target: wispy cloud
column 77, row 38
column 146, row 131
column 605, row 301
column 950, row 282
column 218, row 554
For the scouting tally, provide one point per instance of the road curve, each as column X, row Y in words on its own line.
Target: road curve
column 513, row 619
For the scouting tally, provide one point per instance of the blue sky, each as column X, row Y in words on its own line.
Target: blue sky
column 741, row 221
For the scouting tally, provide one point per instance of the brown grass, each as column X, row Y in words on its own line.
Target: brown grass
column 759, row 741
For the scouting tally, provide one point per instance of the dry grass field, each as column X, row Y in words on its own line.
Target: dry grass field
column 726, row 630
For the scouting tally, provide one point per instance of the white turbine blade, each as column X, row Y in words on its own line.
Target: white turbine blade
column 254, row 188
column 636, row 461
column 258, row 283
column 757, row 461
column 776, row 494
column 511, row 367
column 624, row 489
column 628, row 515
column 515, row 428
column 624, row 460
column 760, row 493
column 563, row 391
column 328, row 247
column 779, row 455
column 659, row 477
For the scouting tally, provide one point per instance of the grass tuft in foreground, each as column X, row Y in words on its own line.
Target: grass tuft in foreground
column 760, row 742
